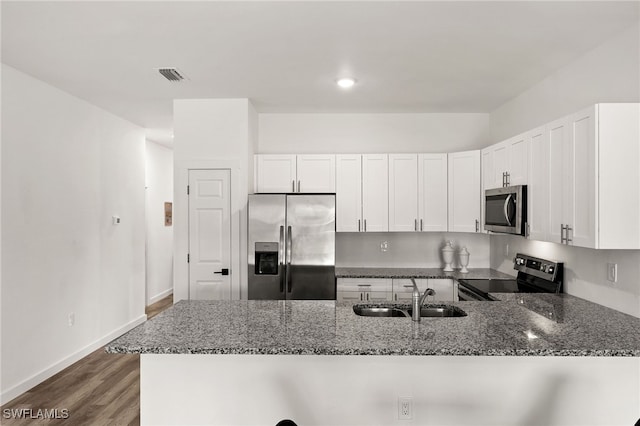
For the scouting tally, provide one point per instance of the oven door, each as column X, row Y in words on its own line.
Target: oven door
column 467, row 295
column 505, row 209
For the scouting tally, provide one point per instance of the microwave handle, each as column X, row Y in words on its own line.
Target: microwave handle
column 506, row 209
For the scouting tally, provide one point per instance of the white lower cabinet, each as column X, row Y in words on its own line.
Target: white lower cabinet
column 372, row 290
column 445, row 290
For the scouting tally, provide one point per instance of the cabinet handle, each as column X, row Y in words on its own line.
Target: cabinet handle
column 365, row 225
column 415, row 224
column 358, row 225
column 562, row 233
column 367, row 297
column 293, row 186
column 395, row 297
column 361, row 296
column 421, row 225
column 477, row 225
column 298, row 186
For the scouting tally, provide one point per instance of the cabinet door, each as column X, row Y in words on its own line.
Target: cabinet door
column 464, row 191
column 500, row 164
column 375, row 193
column 316, row 173
column 518, row 164
column 488, row 172
column 538, row 186
column 432, row 192
column 560, row 170
column 348, row 193
column 275, row 173
column 378, row 296
column 349, row 296
column 403, row 192
column 583, row 180
column 403, row 289
column 444, row 288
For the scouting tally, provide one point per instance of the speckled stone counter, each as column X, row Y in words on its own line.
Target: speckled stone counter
column 475, row 273
column 517, row 325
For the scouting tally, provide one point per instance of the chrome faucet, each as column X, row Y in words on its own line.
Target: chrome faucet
column 418, row 300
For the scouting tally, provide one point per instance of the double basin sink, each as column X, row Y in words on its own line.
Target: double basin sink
column 406, row 311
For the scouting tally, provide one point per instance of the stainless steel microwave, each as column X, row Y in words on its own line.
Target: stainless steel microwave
column 505, row 209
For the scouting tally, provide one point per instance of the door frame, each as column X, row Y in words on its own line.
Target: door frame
column 238, row 200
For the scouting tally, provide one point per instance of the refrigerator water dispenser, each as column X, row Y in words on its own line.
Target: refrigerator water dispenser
column 266, row 258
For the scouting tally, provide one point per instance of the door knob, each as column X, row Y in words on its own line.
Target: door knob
column 224, row 271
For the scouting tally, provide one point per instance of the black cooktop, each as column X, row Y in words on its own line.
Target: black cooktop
column 493, row 286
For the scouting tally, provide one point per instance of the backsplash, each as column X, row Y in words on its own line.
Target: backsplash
column 585, row 270
column 408, row 249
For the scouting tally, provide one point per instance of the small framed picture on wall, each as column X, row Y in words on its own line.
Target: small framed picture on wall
column 168, row 214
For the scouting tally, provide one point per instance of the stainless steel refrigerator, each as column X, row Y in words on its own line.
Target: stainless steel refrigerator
column 292, row 246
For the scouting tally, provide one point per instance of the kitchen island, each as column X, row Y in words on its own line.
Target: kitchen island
column 527, row 359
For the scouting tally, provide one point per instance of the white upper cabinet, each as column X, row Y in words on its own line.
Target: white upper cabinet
column 362, row 194
column 295, row 173
column 464, row 191
column 403, row 192
column 584, row 181
column 348, row 193
column 275, row 173
column 432, row 192
column 506, row 163
column 417, row 192
column 375, row 193
column 316, row 173
column 538, row 186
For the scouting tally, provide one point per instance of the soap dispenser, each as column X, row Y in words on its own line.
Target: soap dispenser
column 447, row 257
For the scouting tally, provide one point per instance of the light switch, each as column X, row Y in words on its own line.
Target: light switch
column 115, row 220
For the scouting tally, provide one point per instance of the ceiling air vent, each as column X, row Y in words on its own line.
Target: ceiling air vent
column 171, row 74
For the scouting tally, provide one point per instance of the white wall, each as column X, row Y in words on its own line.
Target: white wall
column 212, row 133
column 67, row 167
column 372, row 133
column 159, row 245
column 408, row 249
column 608, row 73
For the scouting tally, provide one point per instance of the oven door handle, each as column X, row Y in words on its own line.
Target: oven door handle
column 506, row 209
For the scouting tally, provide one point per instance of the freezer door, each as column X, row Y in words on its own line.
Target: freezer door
column 310, row 241
column 266, row 246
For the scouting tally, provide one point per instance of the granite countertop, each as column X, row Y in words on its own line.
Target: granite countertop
column 517, row 325
column 366, row 272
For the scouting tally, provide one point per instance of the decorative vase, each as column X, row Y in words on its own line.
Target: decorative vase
column 464, row 260
column 447, row 257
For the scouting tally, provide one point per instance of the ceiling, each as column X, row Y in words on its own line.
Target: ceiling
column 413, row 56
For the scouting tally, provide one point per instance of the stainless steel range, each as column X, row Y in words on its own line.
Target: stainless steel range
column 535, row 275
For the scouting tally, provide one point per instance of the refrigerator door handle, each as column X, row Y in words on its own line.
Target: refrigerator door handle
column 288, row 272
column 281, row 258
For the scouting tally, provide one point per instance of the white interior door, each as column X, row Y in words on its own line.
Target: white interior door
column 209, row 234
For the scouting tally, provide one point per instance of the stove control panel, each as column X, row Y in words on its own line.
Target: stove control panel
column 542, row 268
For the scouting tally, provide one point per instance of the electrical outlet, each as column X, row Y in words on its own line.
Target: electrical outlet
column 612, row 272
column 71, row 319
column 384, row 246
column 405, row 408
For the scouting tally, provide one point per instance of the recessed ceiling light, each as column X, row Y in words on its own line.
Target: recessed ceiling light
column 346, row 83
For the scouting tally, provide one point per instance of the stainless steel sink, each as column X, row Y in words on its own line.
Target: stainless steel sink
column 439, row 311
column 404, row 311
column 380, row 311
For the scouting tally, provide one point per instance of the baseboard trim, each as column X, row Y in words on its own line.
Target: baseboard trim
column 17, row 390
column 159, row 296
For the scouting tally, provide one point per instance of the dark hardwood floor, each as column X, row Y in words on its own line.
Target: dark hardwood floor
column 100, row 389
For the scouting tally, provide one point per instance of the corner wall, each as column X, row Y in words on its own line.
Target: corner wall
column 159, row 243
column 67, row 168
column 608, row 73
